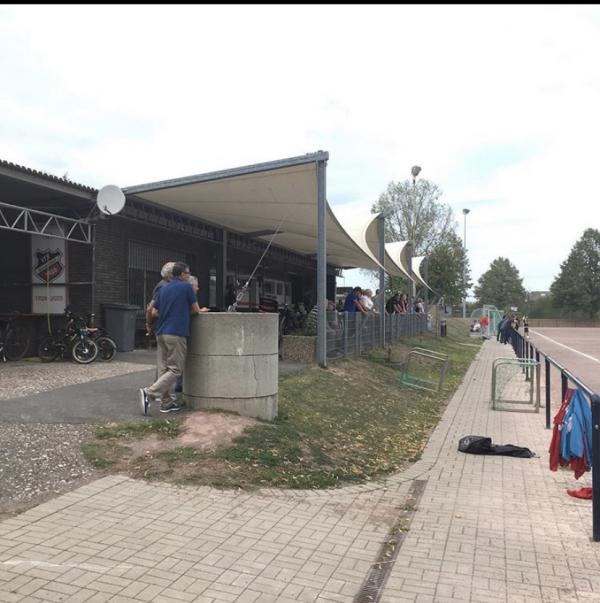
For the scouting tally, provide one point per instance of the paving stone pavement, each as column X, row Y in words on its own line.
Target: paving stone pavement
column 485, row 529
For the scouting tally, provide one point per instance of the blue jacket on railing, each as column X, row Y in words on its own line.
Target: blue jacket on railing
column 576, row 433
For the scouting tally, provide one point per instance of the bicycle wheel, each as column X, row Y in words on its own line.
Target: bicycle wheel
column 48, row 350
column 85, row 351
column 107, row 348
column 16, row 344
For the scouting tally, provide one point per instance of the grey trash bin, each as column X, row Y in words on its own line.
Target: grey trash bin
column 120, row 324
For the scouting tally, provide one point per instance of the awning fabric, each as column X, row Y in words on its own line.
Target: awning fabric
column 362, row 228
column 257, row 200
column 416, row 265
column 398, row 254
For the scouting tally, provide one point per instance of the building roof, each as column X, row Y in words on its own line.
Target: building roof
column 8, row 165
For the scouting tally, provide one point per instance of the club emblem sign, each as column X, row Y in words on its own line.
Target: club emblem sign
column 49, row 275
column 49, row 265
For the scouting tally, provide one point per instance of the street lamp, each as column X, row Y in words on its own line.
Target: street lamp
column 465, row 212
column 414, row 171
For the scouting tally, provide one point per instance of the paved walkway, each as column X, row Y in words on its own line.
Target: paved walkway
column 485, row 529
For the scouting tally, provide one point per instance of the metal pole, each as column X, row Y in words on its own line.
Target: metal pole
column 224, row 269
column 321, row 264
column 426, row 290
column 564, row 384
column 409, row 291
column 381, row 258
column 464, row 278
column 595, row 467
column 548, row 397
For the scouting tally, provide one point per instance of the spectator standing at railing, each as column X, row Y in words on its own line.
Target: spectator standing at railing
column 526, row 326
column 403, row 303
column 393, row 304
column 367, row 301
column 419, row 307
column 352, row 303
column 311, row 320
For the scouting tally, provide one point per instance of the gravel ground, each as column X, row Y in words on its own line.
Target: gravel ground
column 27, row 377
column 38, row 462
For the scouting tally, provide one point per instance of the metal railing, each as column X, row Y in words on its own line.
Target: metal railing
column 352, row 333
column 525, row 349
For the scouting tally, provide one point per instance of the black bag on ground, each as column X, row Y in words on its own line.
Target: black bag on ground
column 474, row 444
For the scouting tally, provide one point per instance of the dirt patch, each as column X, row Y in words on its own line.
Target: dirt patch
column 201, row 430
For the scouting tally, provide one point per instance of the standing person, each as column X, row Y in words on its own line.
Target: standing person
column 403, row 303
column 352, row 303
column 393, row 304
column 367, row 301
column 173, row 305
column 526, row 326
column 166, row 274
column 485, row 323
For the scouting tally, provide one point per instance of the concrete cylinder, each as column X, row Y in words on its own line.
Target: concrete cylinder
column 233, row 363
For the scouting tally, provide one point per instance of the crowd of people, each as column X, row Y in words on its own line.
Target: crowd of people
column 363, row 301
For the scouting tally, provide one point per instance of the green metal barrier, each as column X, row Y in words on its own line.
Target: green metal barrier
column 424, row 369
column 516, row 381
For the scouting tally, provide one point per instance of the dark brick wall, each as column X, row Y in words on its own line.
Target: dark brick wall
column 15, row 271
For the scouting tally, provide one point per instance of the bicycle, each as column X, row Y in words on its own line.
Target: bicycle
column 107, row 348
column 76, row 338
column 13, row 343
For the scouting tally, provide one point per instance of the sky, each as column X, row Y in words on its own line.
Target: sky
column 499, row 105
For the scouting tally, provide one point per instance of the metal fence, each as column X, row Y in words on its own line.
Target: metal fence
column 351, row 333
column 525, row 349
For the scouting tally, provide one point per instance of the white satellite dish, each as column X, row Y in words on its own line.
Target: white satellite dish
column 110, row 200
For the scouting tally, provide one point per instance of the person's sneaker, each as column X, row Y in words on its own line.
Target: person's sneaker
column 170, row 407
column 144, row 400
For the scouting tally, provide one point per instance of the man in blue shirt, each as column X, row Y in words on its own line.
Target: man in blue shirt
column 352, row 303
column 174, row 304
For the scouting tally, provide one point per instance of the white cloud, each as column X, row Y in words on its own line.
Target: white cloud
column 496, row 103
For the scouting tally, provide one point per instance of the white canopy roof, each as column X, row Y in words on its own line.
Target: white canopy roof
column 398, row 254
column 416, row 265
column 362, row 228
column 259, row 199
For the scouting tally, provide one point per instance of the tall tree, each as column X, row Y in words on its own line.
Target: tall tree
column 577, row 287
column 446, row 262
column 413, row 213
column 501, row 286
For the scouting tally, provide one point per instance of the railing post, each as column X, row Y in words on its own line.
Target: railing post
column 538, row 377
column 358, row 330
column 595, row 467
column 564, row 383
column 548, row 397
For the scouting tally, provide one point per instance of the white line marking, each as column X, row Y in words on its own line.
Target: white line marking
column 566, row 346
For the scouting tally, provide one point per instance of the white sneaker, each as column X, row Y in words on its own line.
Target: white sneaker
column 144, row 400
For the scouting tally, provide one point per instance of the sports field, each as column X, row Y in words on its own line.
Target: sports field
column 577, row 349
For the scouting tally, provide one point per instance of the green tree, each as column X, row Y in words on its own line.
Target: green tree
column 501, row 286
column 413, row 213
column 577, row 287
column 445, row 275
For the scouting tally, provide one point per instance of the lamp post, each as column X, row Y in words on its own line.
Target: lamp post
column 414, row 171
column 465, row 212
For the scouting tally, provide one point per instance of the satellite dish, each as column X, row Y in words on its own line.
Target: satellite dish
column 110, row 200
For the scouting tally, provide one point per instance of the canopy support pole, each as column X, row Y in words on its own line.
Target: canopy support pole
column 381, row 296
column 321, row 264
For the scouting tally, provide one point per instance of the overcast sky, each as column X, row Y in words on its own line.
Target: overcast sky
column 499, row 105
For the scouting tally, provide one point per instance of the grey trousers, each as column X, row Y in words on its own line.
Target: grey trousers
column 171, row 351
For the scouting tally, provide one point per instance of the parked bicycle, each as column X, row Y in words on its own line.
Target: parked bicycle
column 75, row 338
column 107, row 348
column 14, row 343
